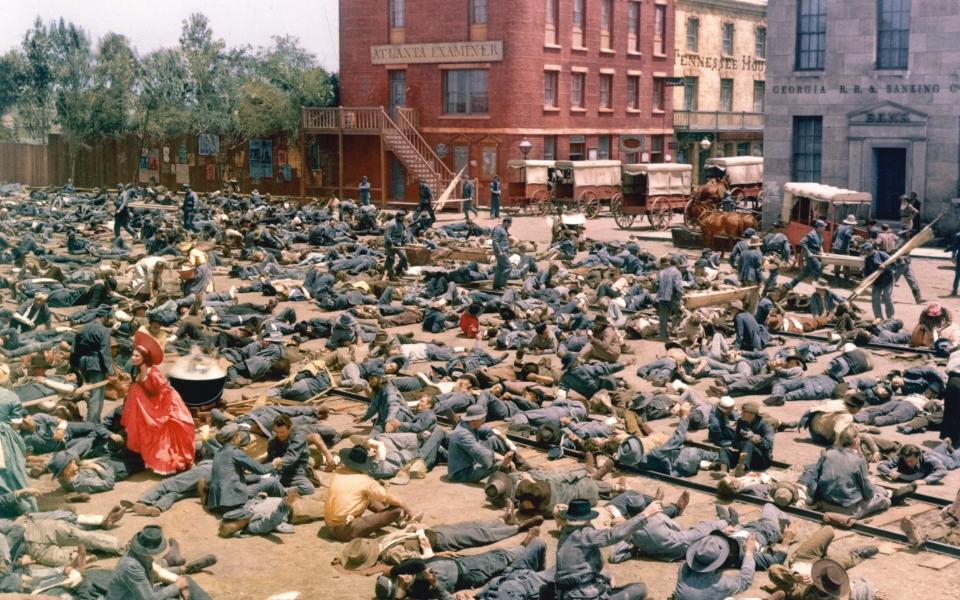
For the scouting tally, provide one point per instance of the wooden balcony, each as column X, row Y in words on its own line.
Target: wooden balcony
column 343, row 120
column 693, row 120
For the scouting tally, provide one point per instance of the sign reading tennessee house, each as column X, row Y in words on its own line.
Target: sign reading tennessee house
column 449, row 52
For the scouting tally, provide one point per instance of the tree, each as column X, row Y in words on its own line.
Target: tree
column 35, row 101
column 72, row 60
column 114, row 78
column 160, row 111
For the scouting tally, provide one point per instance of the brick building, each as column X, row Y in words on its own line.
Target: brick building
column 720, row 53
column 865, row 95
column 464, row 82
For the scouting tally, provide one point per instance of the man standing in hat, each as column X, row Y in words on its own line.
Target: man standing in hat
column 777, row 244
column 91, row 358
column 670, row 296
column 579, row 571
column 134, row 574
column 811, row 246
column 364, row 191
column 882, row 291
column 473, row 448
column 188, row 207
column 842, row 238
column 501, row 252
column 351, row 492
column 701, row 575
column 394, row 239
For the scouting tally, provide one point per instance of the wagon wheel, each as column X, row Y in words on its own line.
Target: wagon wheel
column 689, row 220
column 541, row 202
column 623, row 220
column 589, row 204
column 660, row 213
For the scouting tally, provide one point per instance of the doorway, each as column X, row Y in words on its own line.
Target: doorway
column 890, row 177
column 398, row 91
column 398, row 179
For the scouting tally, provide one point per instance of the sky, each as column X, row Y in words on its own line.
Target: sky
column 152, row 25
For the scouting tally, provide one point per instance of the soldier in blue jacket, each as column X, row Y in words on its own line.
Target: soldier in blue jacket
column 495, row 198
column 778, row 245
column 882, row 291
column 92, row 359
column 670, row 295
column 811, row 246
column 227, row 487
column 473, row 448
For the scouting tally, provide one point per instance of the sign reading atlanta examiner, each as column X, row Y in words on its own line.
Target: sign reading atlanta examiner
column 450, row 52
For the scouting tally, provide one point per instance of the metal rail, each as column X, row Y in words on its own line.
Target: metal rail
column 804, row 513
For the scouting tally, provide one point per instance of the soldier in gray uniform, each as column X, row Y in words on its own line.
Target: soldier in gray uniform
column 394, row 238
column 501, row 251
column 579, row 562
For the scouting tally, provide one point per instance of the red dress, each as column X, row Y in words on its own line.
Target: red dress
column 158, row 424
column 469, row 325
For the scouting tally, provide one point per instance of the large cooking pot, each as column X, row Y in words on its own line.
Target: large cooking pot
column 198, row 393
column 198, row 379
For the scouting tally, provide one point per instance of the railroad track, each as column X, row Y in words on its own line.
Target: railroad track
column 860, row 527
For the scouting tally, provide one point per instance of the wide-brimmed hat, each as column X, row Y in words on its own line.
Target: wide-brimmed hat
column 354, row 458
column 360, row 553
column 784, row 496
column 475, row 412
column 850, row 220
column 830, row 577
column 498, row 485
column 346, row 320
column 751, row 407
column 736, row 306
column 579, row 510
column 754, row 242
column 630, row 451
column 726, row 402
column 548, row 433
column 708, row 554
column 149, row 347
column 385, row 588
column 59, row 462
column 149, row 541
column 821, row 284
column 855, row 400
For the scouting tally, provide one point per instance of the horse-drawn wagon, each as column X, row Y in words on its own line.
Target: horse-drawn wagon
column 656, row 190
column 805, row 203
column 743, row 178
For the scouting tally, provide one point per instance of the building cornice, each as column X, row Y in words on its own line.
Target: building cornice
column 744, row 6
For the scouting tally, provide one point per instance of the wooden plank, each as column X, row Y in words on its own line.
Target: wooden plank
column 721, row 297
column 438, row 205
column 843, row 260
column 925, row 235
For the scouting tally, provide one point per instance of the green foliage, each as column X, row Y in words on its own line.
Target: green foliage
column 200, row 86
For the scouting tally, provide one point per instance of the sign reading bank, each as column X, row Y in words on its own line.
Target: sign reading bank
column 451, row 52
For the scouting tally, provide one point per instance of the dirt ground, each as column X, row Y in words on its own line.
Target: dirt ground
column 256, row 567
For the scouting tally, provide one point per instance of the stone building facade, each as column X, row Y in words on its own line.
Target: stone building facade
column 720, row 54
column 865, row 95
column 577, row 79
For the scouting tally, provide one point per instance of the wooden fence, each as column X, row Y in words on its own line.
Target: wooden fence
column 23, row 163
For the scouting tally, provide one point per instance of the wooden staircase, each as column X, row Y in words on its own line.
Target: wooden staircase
column 400, row 136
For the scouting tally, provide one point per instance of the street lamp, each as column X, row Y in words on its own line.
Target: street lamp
column 525, row 147
column 705, row 144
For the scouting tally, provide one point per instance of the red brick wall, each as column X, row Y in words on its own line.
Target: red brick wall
column 515, row 91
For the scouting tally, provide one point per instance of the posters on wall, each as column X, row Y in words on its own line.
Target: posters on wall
column 211, row 172
column 183, row 173
column 182, row 154
column 260, row 159
column 166, row 154
column 149, row 165
column 208, row 144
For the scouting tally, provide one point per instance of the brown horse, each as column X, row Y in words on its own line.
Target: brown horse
column 729, row 224
column 706, row 198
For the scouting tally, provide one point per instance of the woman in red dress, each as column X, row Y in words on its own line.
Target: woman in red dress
column 158, row 424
